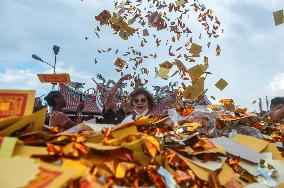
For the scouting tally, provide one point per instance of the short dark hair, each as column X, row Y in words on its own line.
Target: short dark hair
column 277, row 100
column 50, row 97
column 147, row 94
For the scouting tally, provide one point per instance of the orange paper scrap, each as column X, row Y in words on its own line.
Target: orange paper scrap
column 54, row 78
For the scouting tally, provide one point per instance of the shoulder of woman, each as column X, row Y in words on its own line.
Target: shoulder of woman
column 128, row 118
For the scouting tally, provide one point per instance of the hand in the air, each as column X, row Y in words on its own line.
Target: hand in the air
column 80, row 107
column 137, row 81
column 126, row 77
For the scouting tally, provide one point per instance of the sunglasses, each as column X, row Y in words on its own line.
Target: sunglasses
column 143, row 100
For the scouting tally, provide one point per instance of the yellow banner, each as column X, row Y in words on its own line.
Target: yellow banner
column 16, row 103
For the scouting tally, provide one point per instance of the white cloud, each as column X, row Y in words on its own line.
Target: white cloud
column 269, row 5
column 11, row 76
column 277, row 84
column 20, row 79
column 274, row 4
column 77, row 75
column 27, row 79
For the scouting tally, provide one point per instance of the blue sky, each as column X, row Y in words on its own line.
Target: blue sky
column 252, row 57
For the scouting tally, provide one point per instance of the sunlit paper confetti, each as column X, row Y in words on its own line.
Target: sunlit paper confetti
column 218, row 50
column 195, row 50
column 181, row 2
column 195, row 90
column 197, row 70
column 278, row 17
column 103, row 17
column 221, row 84
column 120, row 63
column 147, row 22
column 163, row 73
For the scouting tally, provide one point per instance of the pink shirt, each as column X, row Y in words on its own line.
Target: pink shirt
column 59, row 119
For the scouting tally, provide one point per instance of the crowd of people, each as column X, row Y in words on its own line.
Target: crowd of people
column 139, row 103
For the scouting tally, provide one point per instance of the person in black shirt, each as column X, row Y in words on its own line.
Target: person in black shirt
column 109, row 114
column 113, row 117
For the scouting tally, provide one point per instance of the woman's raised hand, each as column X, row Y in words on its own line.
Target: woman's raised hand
column 137, row 81
column 125, row 77
column 80, row 107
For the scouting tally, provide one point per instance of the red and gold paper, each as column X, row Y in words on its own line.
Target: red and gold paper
column 16, row 102
column 51, row 176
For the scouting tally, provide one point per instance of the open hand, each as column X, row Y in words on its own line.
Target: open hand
column 126, row 77
column 137, row 81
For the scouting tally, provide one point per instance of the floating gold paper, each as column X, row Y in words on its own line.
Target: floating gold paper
column 163, row 73
column 195, row 90
column 195, row 50
column 278, row 17
column 180, row 2
column 221, row 84
column 197, row 70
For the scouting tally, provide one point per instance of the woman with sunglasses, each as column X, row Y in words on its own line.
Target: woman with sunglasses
column 142, row 102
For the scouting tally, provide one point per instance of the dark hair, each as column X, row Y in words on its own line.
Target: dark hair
column 277, row 100
column 147, row 94
column 51, row 96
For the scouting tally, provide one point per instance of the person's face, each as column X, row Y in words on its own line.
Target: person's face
column 60, row 101
column 140, row 103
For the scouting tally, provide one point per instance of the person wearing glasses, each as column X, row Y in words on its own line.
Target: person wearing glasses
column 142, row 102
column 56, row 100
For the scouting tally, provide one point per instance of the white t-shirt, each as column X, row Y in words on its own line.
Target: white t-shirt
column 136, row 115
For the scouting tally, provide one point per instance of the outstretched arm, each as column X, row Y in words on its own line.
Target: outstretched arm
column 79, row 110
column 113, row 91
